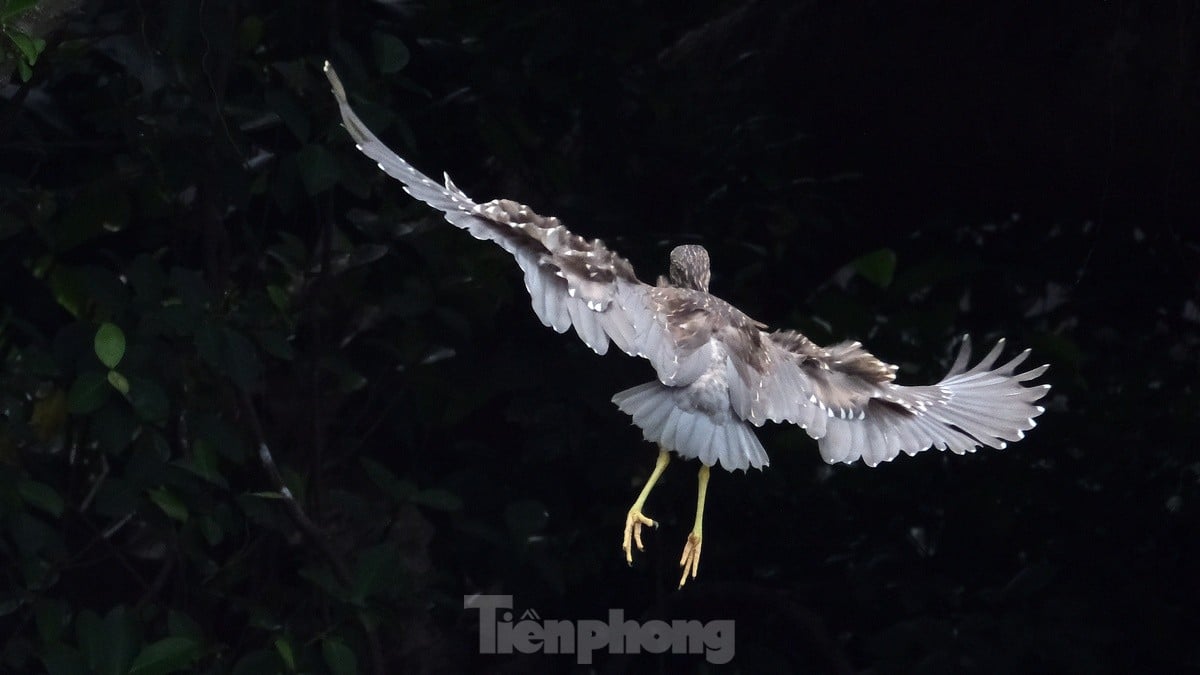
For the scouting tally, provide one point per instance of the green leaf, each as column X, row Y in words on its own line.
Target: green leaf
column 168, row 655
column 110, row 344
column 387, row 481
column 390, row 53
column 40, row 495
column 211, row 530
column 258, row 662
column 279, row 297
column 118, row 382
column 149, row 400
column 204, row 462
column 108, row 644
column 438, row 499
column 88, row 392
column 61, row 659
column 340, row 659
column 878, row 267
column 51, row 617
column 285, row 652
column 89, row 629
column 13, row 8
column 294, row 116
column 169, row 503
column 319, row 169
column 231, row 353
column 375, row 571
column 30, row 46
column 114, row 426
column 182, row 625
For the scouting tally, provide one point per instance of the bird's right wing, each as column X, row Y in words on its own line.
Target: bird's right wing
column 847, row 399
column 572, row 281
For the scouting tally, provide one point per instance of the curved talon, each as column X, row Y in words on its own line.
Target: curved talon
column 633, row 533
column 635, row 520
column 690, row 560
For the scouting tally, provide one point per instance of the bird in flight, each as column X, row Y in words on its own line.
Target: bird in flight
column 720, row 372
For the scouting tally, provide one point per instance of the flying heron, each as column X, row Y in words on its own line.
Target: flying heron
column 719, row 372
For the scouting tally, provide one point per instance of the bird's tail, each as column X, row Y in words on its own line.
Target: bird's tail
column 657, row 409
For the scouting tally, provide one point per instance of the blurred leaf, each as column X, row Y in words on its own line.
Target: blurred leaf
column 88, row 392
column 114, row 426
column 878, row 267
column 375, row 571
column 29, row 46
column 168, row 655
column 318, row 168
column 278, row 297
column 108, row 644
column 110, row 344
column 147, row 279
column 64, row 660
column 231, row 353
column 438, row 499
column 149, row 400
column 51, row 617
column 285, row 652
column 384, row 479
column 93, row 640
column 391, row 55
column 69, row 289
column 258, row 662
column 49, row 415
column 118, row 382
column 340, row 659
column 13, row 8
column 40, row 495
column 292, row 114
column 203, row 463
column 250, row 33
column 169, row 503
column 182, row 625
column 99, row 208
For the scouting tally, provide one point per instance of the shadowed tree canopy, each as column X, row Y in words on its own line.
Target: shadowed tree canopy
column 264, row 413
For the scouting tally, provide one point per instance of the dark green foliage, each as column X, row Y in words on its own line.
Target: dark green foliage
column 196, row 263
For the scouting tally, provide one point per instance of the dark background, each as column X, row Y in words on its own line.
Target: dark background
column 899, row 173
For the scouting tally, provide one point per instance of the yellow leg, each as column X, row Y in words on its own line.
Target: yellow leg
column 635, row 520
column 690, row 560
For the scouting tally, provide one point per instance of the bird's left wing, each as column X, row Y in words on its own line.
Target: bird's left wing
column 572, row 281
column 847, row 399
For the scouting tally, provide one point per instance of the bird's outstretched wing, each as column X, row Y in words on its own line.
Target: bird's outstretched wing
column 847, row 399
column 571, row 280
column 575, row 281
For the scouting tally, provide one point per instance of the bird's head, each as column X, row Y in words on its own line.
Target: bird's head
column 689, row 267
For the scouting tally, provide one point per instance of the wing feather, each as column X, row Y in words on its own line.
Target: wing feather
column 572, row 281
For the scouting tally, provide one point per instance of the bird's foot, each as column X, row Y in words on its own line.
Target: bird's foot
column 633, row 533
column 690, row 560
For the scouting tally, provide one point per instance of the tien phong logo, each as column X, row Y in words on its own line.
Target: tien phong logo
column 503, row 632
